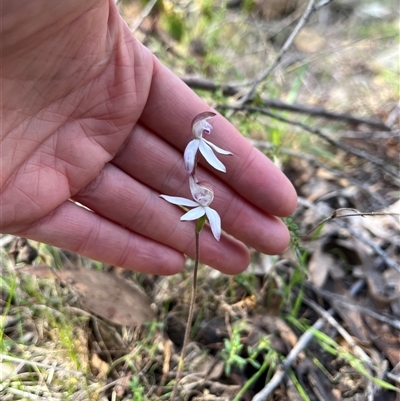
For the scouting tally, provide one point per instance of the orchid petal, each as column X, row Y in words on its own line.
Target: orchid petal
column 215, row 222
column 177, row 200
column 201, row 192
column 209, row 155
column 194, row 214
column 200, row 124
column 203, row 116
column 217, row 149
column 190, row 154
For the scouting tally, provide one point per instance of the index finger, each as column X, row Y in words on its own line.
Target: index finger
column 170, row 108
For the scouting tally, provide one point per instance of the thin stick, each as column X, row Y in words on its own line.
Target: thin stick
column 189, row 319
column 341, row 330
column 359, row 236
column 231, row 89
column 322, row 112
column 343, row 302
column 43, row 365
column 311, row 159
column 382, row 164
column 303, row 342
column 311, row 8
column 199, row 82
column 146, row 11
column 336, row 215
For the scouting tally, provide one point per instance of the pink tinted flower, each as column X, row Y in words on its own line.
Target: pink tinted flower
column 203, row 195
column 201, row 126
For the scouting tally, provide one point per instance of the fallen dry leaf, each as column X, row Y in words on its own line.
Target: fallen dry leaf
column 309, row 41
column 110, row 296
column 40, row 270
column 319, row 266
column 97, row 364
column 104, row 294
column 385, row 338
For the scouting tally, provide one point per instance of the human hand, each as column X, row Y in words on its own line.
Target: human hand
column 89, row 114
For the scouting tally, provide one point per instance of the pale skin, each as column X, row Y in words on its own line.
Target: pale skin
column 89, row 114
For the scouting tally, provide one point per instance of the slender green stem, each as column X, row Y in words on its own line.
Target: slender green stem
column 255, row 377
column 190, row 314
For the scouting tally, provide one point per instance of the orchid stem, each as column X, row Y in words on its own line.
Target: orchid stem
column 191, row 311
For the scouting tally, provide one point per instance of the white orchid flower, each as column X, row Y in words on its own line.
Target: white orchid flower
column 203, row 195
column 201, row 126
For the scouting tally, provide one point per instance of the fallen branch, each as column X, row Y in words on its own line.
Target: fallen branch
column 232, row 89
column 198, row 82
column 357, row 152
column 321, row 112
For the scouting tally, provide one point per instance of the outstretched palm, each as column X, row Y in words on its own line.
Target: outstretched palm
column 76, row 94
column 89, row 114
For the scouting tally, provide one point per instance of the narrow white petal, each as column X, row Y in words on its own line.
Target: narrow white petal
column 177, row 200
column 194, row 214
column 209, row 155
column 189, row 155
column 218, row 149
column 215, row 222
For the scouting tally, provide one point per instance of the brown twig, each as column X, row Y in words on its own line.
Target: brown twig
column 370, row 134
column 321, row 112
column 357, row 152
column 311, row 8
column 231, row 89
column 4, row 357
column 335, row 215
column 378, row 250
column 312, row 160
column 344, row 302
column 357, row 234
column 198, row 82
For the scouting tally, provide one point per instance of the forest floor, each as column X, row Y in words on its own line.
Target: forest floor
column 320, row 322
